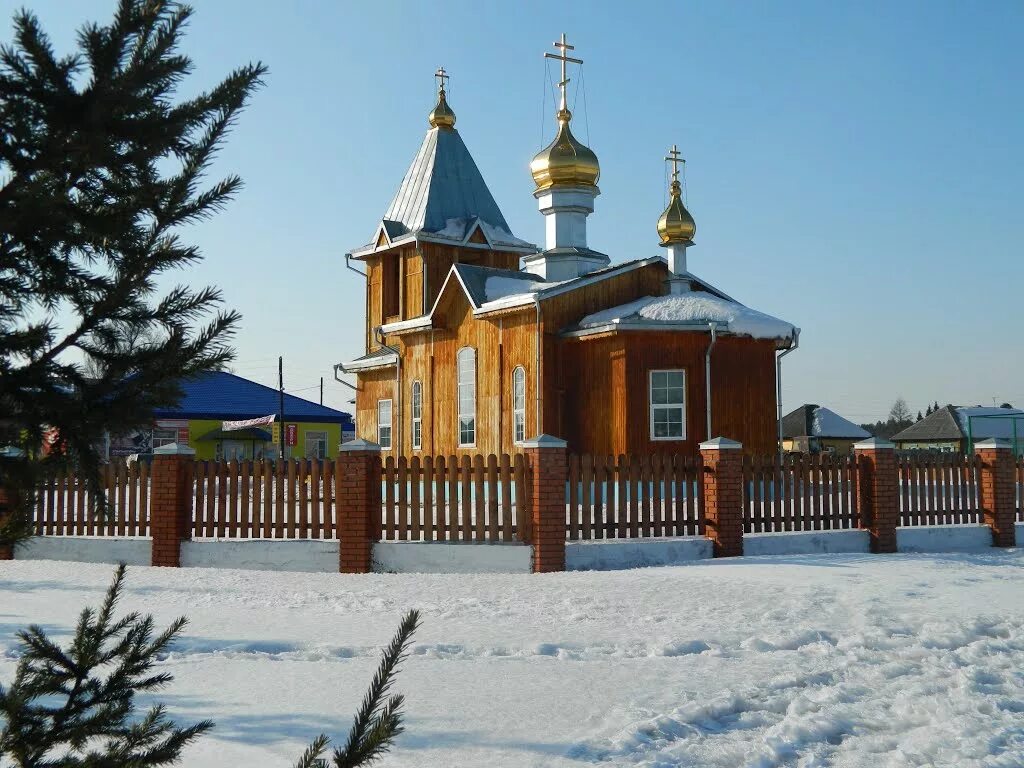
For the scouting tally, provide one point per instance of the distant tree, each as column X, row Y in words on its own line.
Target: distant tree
column 74, row 707
column 919, row 416
column 1006, row 405
column 928, row 411
column 900, row 412
column 100, row 168
column 936, row 406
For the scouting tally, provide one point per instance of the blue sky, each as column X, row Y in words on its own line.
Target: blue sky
column 854, row 168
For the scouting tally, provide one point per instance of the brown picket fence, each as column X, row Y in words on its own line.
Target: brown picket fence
column 1019, row 475
column 938, row 488
column 438, row 498
column 804, row 492
column 65, row 507
column 633, row 496
column 264, row 499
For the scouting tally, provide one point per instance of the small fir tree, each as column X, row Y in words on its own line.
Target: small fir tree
column 101, row 166
column 74, row 707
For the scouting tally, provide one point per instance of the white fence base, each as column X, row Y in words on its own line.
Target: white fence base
column 944, row 538
column 303, row 555
column 621, row 554
column 87, row 549
column 436, row 557
column 806, row 542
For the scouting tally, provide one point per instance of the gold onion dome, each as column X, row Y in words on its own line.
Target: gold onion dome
column 565, row 162
column 676, row 225
column 442, row 115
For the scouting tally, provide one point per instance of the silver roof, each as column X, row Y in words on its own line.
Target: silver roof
column 442, row 184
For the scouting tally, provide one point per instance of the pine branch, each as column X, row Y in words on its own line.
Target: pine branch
column 311, row 757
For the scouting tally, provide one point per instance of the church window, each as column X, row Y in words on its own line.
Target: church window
column 417, row 415
column 467, row 396
column 384, row 423
column 519, row 404
column 668, row 405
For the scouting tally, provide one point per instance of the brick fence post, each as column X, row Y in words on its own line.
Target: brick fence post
column 878, row 492
column 170, row 506
column 996, row 490
column 548, row 474
column 357, row 496
column 723, row 495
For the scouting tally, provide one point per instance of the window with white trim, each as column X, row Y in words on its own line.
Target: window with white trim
column 467, row 396
column 316, row 445
column 417, row 416
column 384, row 423
column 519, row 404
column 163, row 437
column 668, row 405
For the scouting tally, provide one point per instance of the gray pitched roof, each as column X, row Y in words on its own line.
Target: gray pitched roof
column 442, row 184
column 943, row 424
column 798, row 423
column 811, row 420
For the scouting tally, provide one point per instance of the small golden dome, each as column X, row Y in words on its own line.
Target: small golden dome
column 565, row 162
column 441, row 116
column 676, row 225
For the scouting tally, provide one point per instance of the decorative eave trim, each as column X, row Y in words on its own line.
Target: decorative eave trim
column 421, row 323
column 429, row 237
column 617, row 326
column 381, row 361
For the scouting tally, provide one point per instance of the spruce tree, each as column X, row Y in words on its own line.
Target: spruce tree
column 74, row 707
column 101, row 167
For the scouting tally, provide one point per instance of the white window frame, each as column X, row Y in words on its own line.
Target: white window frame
column 381, row 441
column 416, row 409
column 163, row 436
column 652, row 407
column 319, row 436
column 462, row 386
column 518, row 408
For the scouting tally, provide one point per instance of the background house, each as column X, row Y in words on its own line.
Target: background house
column 812, row 429
column 955, row 428
column 311, row 430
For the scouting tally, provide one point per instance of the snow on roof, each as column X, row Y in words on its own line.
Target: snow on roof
column 826, row 423
column 458, row 228
column 984, row 425
column 503, row 286
column 697, row 308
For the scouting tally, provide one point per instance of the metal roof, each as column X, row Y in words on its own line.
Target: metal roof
column 942, row 424
column 222, row 395
column 442, row 184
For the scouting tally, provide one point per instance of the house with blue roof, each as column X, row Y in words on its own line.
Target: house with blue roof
column 311, row 430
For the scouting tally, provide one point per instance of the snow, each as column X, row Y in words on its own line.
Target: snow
column 456, row 229
column 988, row 427
column 504, row 286
column 826, row 423
column 804, row 661
column 695, row 307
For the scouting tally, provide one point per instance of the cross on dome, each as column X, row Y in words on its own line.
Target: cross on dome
column 441, row 76
column 442, row 115
column 563, row 46
column 675, row 157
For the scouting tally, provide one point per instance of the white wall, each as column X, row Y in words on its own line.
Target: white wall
column 87, row 549
column 306, row 555
column 806, row 542
column 945, row 538
column 620, row 554
column 435, row 557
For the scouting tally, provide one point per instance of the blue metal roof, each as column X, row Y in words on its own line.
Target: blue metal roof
column 222, row 395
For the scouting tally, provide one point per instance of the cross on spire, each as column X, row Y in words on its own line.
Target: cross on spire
column 675, row 157
column 563, row 47
column 441, row 76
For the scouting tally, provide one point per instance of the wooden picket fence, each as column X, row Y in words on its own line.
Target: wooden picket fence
column 438, row 498
column 264, row 499
column 809, row 492
column 1020, row 489
column 634, row 496
column 938, row 488
column 64, row 506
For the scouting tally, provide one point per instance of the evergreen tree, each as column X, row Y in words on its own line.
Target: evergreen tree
column 1006, row 405
column 100, row 168
column 928, row 411
column 919, row 416
column 74, row 707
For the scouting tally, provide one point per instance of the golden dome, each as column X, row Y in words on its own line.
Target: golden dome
column 676, row 225
column 565, row 162
column 441, row 116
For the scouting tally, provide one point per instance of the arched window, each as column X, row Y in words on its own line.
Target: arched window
column 519, row 404
column 417, row 416
column 467, row 396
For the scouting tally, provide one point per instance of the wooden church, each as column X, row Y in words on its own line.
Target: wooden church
column 477, row 341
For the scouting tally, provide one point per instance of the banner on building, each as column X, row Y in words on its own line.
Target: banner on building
column 291, row 434
column 262, row 421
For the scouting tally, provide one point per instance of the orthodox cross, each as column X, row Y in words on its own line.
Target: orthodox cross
column 675, row 158
column 441, row 76
column 563, row 46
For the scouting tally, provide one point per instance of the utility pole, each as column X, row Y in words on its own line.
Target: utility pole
column 321, row 390
column 280, row 386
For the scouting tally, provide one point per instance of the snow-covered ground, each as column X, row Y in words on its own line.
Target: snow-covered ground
column 837, row 660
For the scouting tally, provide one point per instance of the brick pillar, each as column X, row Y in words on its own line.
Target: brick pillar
column 548, row 474
column 878, row 492
column 357, row 496
column 723, row 495
column 170, row 506
column 997, row 491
